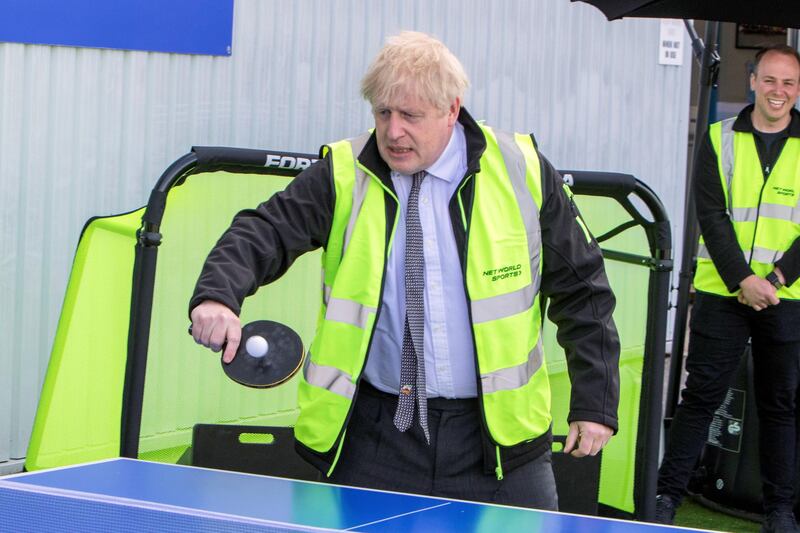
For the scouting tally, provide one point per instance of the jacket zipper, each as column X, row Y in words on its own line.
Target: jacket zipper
column 758, row 213
column 766, row 171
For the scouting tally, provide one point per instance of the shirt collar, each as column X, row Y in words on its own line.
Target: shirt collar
column 450, row 164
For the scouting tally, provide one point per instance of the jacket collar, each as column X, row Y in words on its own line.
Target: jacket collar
column 744, row 123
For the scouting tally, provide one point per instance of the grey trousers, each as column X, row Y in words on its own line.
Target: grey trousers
column 377, row 455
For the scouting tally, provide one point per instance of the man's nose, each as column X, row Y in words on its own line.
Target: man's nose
column 394, row 128
column 782, row 88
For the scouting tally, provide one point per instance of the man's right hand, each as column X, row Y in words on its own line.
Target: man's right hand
column 214, row 325
column 757, row 292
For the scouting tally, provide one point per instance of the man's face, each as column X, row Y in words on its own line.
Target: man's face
column 776, row 88
column 411, row 132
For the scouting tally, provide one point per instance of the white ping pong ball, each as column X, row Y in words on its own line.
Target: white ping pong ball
column 256, row 346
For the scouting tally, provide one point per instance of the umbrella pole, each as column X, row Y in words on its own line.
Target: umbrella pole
column 709, row 68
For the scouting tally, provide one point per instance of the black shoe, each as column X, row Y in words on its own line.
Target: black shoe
column 665, row 510
column 779, row 522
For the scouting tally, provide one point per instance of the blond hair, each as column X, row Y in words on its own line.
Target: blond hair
column 418, row 62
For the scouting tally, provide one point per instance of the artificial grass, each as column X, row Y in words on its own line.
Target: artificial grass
column 692, row 514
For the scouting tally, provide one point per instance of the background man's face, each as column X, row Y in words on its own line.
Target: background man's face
column 411, row 132
column 776, row 89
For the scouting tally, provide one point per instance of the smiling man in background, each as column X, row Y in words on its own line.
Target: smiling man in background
column 747, row 185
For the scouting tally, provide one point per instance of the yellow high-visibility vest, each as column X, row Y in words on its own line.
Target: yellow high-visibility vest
column 502, row 275
column 765, row 214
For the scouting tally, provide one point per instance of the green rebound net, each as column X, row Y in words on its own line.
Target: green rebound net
column 78, row 417
column 629, row 283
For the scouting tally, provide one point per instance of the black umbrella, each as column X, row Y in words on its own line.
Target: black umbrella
column 781, row 13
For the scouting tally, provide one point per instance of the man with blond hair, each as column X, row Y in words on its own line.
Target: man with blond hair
column 442, row 240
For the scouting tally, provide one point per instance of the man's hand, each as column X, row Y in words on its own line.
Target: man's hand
column 757, row 292
column 586, row 438
column 213, row 325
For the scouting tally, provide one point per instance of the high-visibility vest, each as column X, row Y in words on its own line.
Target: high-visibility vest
column 765, row 214
column 503, row 277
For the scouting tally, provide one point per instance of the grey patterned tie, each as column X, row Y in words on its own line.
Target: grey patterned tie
column 412, row 361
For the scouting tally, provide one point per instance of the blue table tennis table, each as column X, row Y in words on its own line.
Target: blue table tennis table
column 140, row 496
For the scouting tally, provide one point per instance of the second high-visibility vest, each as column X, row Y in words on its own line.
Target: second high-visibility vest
column 765, row 213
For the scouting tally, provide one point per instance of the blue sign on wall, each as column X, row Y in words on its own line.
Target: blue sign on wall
column 178, row 26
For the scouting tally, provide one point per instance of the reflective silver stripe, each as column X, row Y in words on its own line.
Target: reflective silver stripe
column 329, row 378
column 762, row 255
column 515, row 376
column 727, row 156
column 503, row 305
column 744, row 214
column 781, row 212
column 765, row 255
column 516, row 166
column 359, row 187
column 349, row 312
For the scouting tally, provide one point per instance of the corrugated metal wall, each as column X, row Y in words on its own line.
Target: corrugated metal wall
column 86, row 132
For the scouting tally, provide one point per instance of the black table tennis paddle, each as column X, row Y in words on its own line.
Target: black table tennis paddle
column 269, row 354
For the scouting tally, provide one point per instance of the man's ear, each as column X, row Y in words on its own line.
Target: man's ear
column 452, row 112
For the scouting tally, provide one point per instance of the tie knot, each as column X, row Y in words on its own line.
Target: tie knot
column 418, row 177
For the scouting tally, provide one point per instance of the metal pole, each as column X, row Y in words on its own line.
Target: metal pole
column 708, row 77
column 148, row 240
column 793, row 38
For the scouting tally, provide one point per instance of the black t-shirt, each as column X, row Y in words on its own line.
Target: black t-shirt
column 769, row 146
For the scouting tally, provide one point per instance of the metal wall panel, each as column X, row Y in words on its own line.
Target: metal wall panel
column 86, row 132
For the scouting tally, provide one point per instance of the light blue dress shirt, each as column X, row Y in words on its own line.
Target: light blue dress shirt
column 449, row 349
